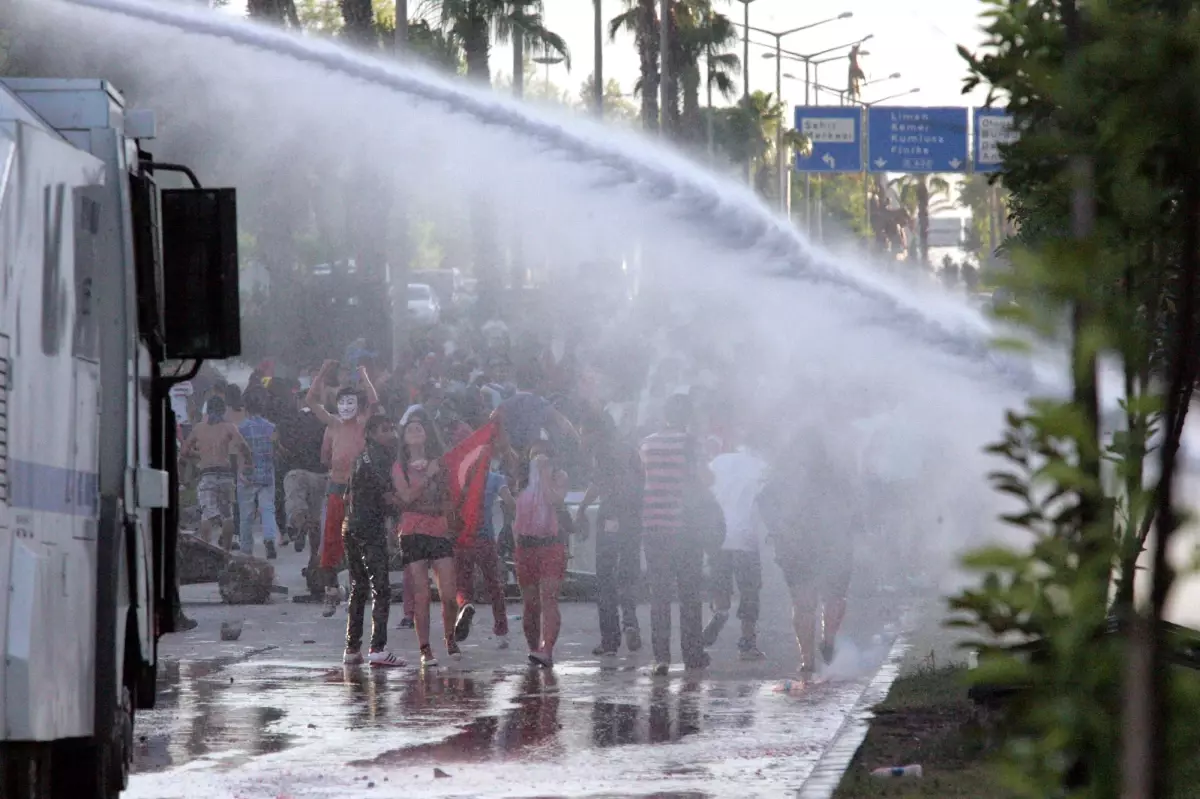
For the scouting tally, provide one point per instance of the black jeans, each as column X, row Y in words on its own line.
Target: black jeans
column 367, row 559
column 744, row 567
column 676, row 566
column 618, row 567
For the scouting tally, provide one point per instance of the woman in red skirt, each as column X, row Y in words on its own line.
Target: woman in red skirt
column 541, row 555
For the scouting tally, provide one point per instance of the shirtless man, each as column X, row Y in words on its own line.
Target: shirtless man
column 213, row 441
column 346, row 439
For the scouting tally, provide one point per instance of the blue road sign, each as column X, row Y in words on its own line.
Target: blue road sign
column 993, row 127
column 836, row 135
column 916, row 140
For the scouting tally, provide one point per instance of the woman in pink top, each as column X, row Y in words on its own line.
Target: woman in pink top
column 425, row 539
column 541, row 555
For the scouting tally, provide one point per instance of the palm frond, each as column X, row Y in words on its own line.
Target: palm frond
column 627, row 22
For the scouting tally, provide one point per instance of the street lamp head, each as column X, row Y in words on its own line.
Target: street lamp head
column 790, row 76
column 768, row 56
column 845, row 15
column 867, row 38
column 915, row 91
column 894, row 76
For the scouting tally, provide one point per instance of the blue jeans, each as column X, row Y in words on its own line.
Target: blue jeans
column 256, row 500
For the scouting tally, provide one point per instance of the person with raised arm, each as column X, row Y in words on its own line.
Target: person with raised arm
column 347, row 440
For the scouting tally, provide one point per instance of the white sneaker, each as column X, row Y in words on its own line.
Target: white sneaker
column 502, row 642
column 385, row 658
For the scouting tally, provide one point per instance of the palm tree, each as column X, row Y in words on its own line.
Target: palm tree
column 641, row 20
column 703, row 33
column 917, row 193
column 524, row 25
column 474, row 22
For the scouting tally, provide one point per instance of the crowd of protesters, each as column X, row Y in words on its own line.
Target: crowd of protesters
column 349, row 460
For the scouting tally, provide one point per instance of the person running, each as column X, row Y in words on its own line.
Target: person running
column 737, row 481
column 541, row 555
column 425, row 541
column 675, row 477
column 304, row 483
column 372, row 500
column 812, row 526
column 257, row 494
column 482, row 553
column 346, row 442
column 618, row 481
column 213, row 443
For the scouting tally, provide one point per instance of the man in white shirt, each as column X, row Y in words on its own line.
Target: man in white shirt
column 738, row 479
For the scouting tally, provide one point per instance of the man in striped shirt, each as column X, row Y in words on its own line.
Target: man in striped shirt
column 674, row 554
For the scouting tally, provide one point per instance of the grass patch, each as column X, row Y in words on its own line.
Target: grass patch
column 927, row 720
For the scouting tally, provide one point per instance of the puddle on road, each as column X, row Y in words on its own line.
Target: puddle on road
column 262, row 728
column 231, row 712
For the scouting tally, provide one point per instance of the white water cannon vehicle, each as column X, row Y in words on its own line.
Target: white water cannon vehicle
column 107, row 281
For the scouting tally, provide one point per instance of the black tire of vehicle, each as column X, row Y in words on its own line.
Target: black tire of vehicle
column 25, row 770
column 91, row 769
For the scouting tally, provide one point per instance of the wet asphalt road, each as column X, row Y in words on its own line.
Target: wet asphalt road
column 275, row 715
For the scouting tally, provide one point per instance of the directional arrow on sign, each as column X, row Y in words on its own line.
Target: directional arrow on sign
column 880, row 162
column 955, row 163
column 829, row 159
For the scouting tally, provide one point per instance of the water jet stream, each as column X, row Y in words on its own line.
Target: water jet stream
column 726, row 215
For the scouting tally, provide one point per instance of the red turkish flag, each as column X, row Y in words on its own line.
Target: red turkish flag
column 467, row 466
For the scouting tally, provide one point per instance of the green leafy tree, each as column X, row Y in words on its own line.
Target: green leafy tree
column 617, row 106
column 977, row 194
column 922, row 196
column 1105, row 186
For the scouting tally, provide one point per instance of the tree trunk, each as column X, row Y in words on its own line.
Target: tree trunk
column 690, row 115
column 477, row 47
column 923, row 219
column 647, row 45
column 518, row 64
column 359, row 18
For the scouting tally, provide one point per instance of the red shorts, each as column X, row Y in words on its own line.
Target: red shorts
column 333, row 549
column 535, row 564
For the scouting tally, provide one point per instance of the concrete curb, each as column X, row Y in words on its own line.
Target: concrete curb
column 831, row 767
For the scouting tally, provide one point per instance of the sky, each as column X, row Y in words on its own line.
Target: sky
column 916, row 38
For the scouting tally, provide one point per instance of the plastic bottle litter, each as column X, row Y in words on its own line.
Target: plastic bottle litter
column 899, row 771
column 792, row 687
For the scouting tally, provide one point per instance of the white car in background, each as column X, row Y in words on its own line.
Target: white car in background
column 423, row 304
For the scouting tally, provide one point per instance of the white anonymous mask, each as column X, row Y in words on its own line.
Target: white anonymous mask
column 347, row 407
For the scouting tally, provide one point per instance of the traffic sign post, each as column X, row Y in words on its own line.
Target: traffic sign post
column 993, row 127
column 836, row 136
column 916, row 140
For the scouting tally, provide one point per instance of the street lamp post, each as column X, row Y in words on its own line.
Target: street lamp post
column 778, row 36
column 548, row 60
column 890, row 97
column 664, row 59
column 842, row 92
column 808, row 61
column 598, row 36
column 746, row 77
